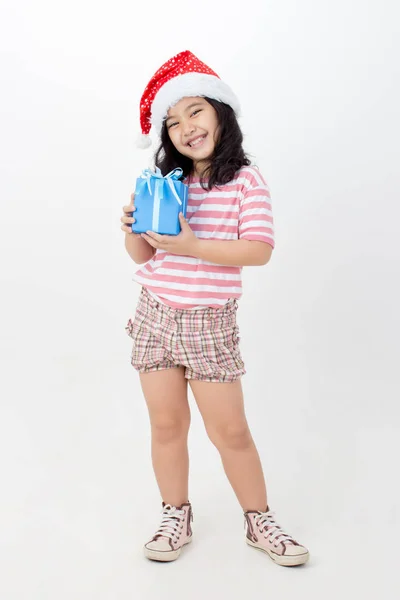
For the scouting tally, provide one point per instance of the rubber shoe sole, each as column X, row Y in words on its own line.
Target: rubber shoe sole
column 284, row 561
column 166, row 555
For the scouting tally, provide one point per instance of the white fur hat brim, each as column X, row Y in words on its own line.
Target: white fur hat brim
column 190, row 84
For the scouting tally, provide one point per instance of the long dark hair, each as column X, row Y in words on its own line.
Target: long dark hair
column 228, row 156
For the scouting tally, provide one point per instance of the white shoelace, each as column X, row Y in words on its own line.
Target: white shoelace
column 269, row 527
column 171, row 522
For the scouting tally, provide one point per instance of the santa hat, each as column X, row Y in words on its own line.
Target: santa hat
column 182, row 75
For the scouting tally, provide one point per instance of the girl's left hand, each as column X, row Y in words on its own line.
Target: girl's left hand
column 183, row 244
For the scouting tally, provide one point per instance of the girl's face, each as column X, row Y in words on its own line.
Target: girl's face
column 192, row 126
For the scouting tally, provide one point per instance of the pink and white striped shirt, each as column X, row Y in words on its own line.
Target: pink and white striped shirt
column 241, row 209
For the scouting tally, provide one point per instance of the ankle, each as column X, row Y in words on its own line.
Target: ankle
column 177, row 503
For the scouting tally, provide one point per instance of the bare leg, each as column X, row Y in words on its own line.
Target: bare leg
column 221, row 406
column 165, row 392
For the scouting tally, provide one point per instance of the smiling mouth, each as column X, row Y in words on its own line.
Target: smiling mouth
column 197, row 142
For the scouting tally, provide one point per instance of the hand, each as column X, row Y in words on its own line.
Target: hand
column 128, row 218
column 183, row 244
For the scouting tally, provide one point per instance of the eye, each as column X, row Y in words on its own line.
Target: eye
column 171, row 125
column 196, row 111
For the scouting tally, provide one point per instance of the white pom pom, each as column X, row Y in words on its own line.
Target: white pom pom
column 143, row 141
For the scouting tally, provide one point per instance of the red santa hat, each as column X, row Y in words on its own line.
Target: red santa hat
column 182, row 75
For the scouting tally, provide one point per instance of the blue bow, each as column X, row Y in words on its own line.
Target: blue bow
column 172, row 176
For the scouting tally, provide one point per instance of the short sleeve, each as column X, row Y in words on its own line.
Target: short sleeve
column 255, row 213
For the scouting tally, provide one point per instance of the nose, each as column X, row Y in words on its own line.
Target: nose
column 188, row 128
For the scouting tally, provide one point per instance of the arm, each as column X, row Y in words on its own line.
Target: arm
column 255, row 232
column 138, row 249
column 241, row 253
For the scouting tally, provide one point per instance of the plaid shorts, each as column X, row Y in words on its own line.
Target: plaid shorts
column 205, row 341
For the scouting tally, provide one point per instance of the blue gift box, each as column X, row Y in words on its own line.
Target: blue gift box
column 158, row 201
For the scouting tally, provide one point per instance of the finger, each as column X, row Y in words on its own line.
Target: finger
column 125, row 219
column 129, row 209
column 128, row 229
column 149, row 240
column 183, row 221
column 156, row 236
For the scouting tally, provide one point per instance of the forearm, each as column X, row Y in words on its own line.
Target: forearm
column 138, row 249
column 241, row 253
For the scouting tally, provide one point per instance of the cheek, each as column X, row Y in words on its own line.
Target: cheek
column 174, row 137
column 215, row 128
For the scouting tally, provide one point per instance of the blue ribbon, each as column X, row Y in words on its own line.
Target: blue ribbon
column 172, row 176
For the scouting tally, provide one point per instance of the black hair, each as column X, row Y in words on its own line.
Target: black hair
column 228, row 156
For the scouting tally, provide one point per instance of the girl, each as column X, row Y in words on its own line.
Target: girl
column 185, row 325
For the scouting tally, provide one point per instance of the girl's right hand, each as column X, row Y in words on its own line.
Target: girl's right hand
column 127, row 218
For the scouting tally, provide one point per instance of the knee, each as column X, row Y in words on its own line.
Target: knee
column 165, row 431
column 232, row 437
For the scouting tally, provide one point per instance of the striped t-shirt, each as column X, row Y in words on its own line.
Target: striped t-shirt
column 240, row 209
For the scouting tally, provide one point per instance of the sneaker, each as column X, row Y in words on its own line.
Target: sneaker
column 174, row 532
column 263, row 533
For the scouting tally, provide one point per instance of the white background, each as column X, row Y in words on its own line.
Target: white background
column 319, row 86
